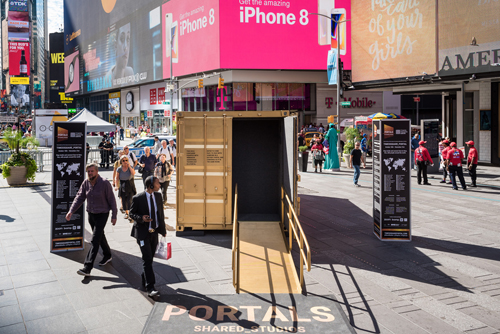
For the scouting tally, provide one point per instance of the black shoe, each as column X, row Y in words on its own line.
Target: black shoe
column 83, row 272
column 473, row 185
column 153, row 293
column 455, row 188
column 418, row 183
column 464, row 188
column 143, row 281
column 427, row 184
column 449, row 182
column 105, row 261
column 443, row 181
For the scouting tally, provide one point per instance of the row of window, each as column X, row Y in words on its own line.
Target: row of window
column 242, row 96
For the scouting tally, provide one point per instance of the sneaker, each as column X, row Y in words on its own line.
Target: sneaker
column 473, row 185
column 357, row 185
column 443, row 181
column 455, row 188
column 153, row 293
column 449, row 182
column 427, row 184
column 83, row 272
column 105, row 261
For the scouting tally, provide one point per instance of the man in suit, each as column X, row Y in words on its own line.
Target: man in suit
column 149, row 221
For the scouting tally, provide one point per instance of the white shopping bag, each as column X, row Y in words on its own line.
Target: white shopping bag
column 164, row 249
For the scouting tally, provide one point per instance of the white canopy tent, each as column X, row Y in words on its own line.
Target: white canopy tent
column 94, row 123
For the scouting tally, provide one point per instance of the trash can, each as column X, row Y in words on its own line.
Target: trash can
column 303, row 159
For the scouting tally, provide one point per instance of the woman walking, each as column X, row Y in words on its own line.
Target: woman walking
column 124, row 178
column 163, row 171
column 318, row 156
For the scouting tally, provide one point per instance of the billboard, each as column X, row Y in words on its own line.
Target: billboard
column 120, row 45
column 18, row 22
column 392, row 39
column 464, row 23
column 18, row 5
column 19, row 96
column 114, row 103
column 16, row 60
column 56, row 42
column 282, row 35
column 72, row 72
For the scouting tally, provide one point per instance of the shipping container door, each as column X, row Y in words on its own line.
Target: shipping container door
column 204, row 172
column 290, row 158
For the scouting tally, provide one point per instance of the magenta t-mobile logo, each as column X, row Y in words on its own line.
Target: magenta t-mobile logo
column 222, row 97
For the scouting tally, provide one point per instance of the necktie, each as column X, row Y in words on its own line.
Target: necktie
column 152, row 213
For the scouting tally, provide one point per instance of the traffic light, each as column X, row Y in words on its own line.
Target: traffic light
column 200, row 83
column 332, row 119
column 221, row 83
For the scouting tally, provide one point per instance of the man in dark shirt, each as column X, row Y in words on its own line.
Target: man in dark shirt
column 302, row 141
column 108, row 151
column 100, row 199
column 148, row 162
column 102, row 151
column 356, row 159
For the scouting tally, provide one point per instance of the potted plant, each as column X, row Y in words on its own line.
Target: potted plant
column 351, row 135
column 303, row 158
column 20, row 166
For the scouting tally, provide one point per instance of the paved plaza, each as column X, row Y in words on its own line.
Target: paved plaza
column 446, row 280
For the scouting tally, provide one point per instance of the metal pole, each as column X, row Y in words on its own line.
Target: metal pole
column 171, row 84
column 417, row 122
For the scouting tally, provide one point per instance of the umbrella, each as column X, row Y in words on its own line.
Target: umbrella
column 380, row 115
column 397, row 116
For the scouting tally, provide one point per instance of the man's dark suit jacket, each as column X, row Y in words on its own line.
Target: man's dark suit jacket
column 140, row 208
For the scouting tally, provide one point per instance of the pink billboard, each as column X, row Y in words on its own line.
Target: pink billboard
column 258, row 34
column 190, row 31
column 72, row 72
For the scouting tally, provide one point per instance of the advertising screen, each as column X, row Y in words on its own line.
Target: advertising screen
column 282, row 34
column 391, row 40
column 19, row 96
column 16, row 60
column 464, row 23
column 18, row 5
column 114, row 103
column 18, row 22
column 56, row 42
column 72, row 72
column 190, row 32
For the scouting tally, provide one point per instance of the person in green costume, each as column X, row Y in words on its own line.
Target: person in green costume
column 332, row 158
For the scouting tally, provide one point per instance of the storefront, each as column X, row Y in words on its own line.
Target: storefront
column 156, row 108
column 130, row 107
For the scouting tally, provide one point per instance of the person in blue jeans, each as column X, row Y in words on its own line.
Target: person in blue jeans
column 364, row 148
column 356, row 159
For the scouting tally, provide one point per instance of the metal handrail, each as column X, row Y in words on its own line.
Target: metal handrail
column 236, row 244
column 295, row 231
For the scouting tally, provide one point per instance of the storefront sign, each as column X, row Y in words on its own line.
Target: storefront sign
column 161, row 95
column 364, row 102
column 150, row 113
column 472, row 45
column 166, row 113
column 68, row 173
column 392, row 179
column 152, row 96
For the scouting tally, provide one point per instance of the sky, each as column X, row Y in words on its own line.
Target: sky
column 55, row 14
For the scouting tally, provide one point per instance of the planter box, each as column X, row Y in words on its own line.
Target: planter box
column 17, row 176
column 303, row 160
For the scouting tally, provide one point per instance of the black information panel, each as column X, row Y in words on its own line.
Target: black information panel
column 68, row 173
column 431, row 136
column 392, row 179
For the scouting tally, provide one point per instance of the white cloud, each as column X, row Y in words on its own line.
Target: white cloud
column 55, row 14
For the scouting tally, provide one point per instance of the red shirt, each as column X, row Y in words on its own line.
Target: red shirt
column 473, row 156
column 455, row 156
column 422, row 154
column 444, row 154
column 317, row 147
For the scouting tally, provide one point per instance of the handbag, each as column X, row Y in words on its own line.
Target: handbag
column 318, row 155
column 140, row 170
column 164, row 249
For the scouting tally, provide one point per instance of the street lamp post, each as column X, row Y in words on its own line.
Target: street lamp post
column 339, row 146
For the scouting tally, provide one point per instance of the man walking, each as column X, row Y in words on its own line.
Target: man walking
column 454, row 162
column 102, row 151
column 444, row 157
column 472, row 162
column 108, row 152
column 364, row 148
column 100, row 199
column 173, row 152
column 356, row 159
column 132, row 159
column 163, row 150
column 156, row 146
column 414, row 146
column 147, row 162
column 422, row 158
column 149, row 221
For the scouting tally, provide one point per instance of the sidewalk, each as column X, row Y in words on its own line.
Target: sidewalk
column 447, row 280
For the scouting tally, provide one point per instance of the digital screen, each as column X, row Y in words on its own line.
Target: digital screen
column 18, row 5
column 18, row 22
column 19, row 96
column 72, row 72
column 15, row 58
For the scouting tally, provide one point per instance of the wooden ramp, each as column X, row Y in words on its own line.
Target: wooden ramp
column 265, row 265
